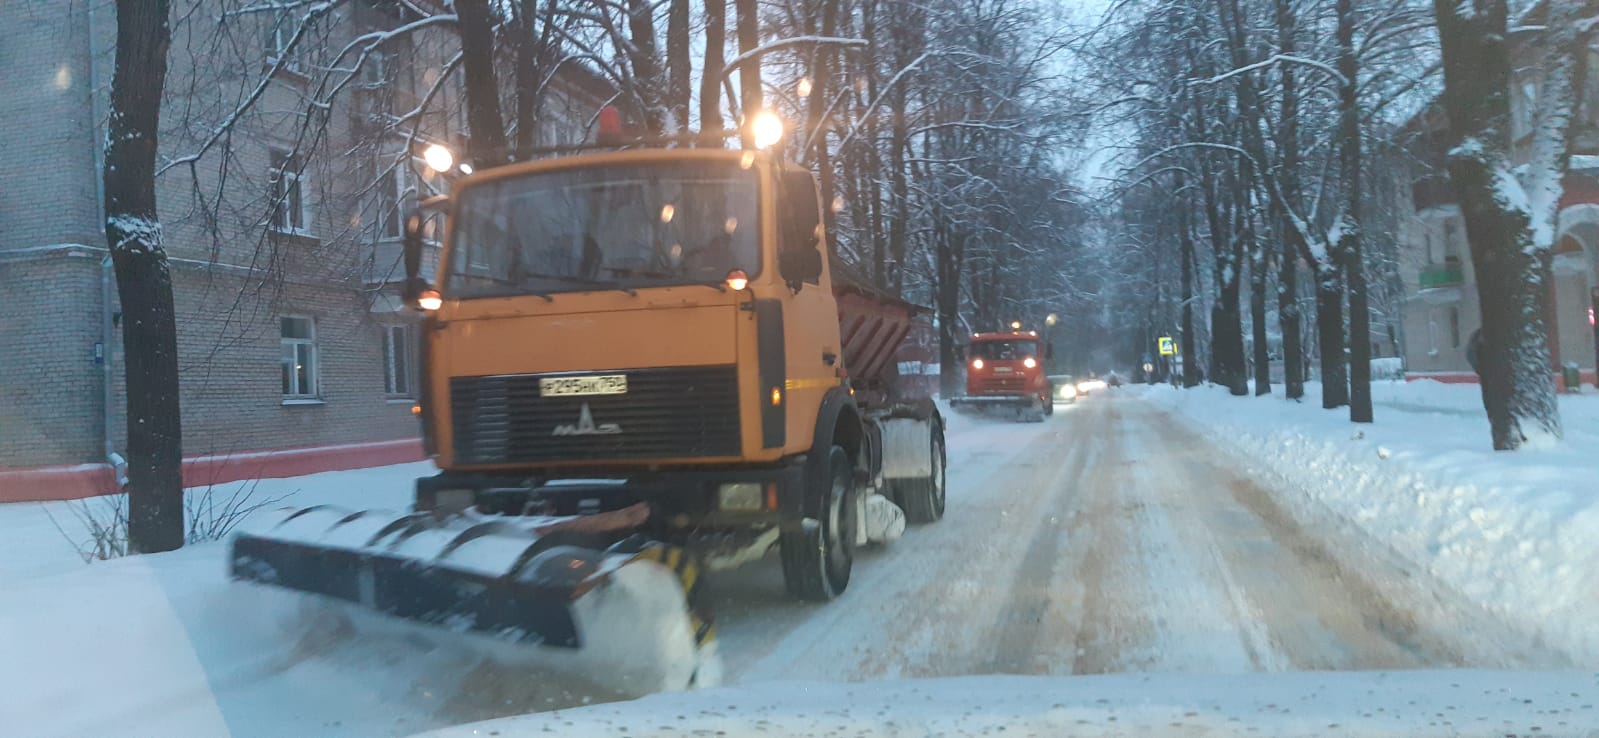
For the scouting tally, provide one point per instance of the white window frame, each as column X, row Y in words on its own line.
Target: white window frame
column 375, row 70
column 1454, row 327
column 277, row 40
column 290, row 353
column 288, row 186
column 403, row 190
column 398, row 355
column 1432, row 333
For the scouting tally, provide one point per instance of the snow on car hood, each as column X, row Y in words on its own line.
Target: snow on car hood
column 1407, row 703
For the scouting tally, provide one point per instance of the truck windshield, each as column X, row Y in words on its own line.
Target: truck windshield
column 619, row 226
column 1004, row 350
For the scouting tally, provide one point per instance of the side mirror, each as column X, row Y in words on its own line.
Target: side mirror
column 412, row 245
column 799, row 252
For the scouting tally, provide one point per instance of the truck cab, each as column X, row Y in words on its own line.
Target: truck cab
column 655, row 334
column 1006, row 370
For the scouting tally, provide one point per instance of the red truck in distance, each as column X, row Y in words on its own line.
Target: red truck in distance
column 1005, row 370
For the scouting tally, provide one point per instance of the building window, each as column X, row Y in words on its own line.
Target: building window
column 1432, row 333
column 1454, row 327
column 375, row 71
column 399, row 188
column 299, row 358
column 1450, row 230
column 397, row 374
column 278, row 36
column 291, row 210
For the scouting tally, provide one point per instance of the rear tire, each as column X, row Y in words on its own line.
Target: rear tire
column 923, row 498
column 817, row 558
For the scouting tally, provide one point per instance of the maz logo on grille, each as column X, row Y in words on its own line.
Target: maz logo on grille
column 586, row 427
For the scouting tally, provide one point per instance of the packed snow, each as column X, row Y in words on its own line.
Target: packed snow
column 1516, row 532
column 1187, row 581
column 1416, row 704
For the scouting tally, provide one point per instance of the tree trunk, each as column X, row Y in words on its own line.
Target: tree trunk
column 1227, row 341
column 679, row 74
column 1330, row 335
column 487, row 147
column 1257, row 312
column 1512, row 271
column 526, row 75
column 749, row 71
column 821, row 90
column 144, row 281
column 947, row 290
column 1189, row 342
column 646, row 67
column 1288, row 318
column 711, row 75
column 1350, row 234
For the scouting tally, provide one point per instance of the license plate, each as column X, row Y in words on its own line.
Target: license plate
column 1002, row 370
column 608, row 384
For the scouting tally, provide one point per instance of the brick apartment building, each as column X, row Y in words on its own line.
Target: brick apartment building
column 1441, row 307
column 295, row 354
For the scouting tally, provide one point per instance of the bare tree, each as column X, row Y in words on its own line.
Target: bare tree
column 144, row 279
column 1512, row 267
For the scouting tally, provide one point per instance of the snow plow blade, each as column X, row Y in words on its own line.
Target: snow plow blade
column 527, row 581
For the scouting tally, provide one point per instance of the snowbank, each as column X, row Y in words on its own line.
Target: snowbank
column 1416, row 703
column 1516, row 532
column 166, row 645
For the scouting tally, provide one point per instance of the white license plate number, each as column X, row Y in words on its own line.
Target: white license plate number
column 608, row 384
column 1002, row 370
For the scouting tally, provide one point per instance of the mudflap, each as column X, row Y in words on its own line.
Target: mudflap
column 618, row 606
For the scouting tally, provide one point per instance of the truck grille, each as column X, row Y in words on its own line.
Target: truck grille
column 1001, row 385
column 678, row 412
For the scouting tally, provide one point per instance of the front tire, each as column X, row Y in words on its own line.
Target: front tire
column 923, row 498
column 817, row 558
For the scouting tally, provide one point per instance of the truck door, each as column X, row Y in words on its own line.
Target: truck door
column 811, row 344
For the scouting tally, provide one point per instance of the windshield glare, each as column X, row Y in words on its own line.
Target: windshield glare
column 1004, row 350
column 633, row 225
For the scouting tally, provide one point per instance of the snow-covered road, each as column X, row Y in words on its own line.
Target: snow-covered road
column 1111, row 538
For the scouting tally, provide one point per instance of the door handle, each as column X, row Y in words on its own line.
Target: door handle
column 829, row 358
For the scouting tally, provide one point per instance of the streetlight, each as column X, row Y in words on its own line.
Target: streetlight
column 438, row 158
column 766, row 129
column 1052, row 320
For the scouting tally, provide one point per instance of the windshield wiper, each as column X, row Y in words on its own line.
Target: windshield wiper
column 606, row 284
column 655, row 274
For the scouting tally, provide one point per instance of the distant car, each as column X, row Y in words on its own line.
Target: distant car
column 1065, row 387
column 1090, row 384
column 1114, row 380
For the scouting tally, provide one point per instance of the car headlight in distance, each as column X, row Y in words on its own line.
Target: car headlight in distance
column 739, row 496
column 1067, row 392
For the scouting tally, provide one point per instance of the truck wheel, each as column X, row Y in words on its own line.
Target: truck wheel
column 817, row 558
column 923, row 499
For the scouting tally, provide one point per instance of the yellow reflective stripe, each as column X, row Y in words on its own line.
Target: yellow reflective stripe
column 798, row 384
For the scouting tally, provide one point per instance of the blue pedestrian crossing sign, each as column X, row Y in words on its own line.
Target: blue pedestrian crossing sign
column 1167, row 346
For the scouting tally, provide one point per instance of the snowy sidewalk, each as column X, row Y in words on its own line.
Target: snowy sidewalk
column 1515, row 532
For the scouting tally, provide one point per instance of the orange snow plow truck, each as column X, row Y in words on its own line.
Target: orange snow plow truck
column 639, row 365
column 1006, row 371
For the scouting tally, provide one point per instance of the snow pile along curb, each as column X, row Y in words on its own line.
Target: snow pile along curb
column 1517, row 532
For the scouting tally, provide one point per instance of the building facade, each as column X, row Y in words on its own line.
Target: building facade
column 290, row 150
column 1441, row 309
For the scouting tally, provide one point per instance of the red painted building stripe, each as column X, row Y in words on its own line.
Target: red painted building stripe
column 1588, row 377
column 76, row 482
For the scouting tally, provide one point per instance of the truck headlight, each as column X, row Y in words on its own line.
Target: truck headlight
column 743, row 496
